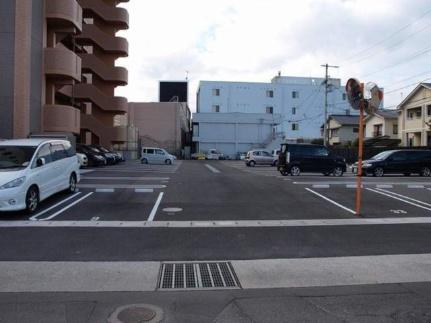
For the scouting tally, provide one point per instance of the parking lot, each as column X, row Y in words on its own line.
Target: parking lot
column 225, row 193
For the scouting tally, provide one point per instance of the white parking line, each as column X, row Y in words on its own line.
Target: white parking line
column 405, row 197
column 321, row 186
column 66, row 208
column 113, row 186
column 331, row 201
column 144, row 190
column 399, row 199
column 384, row 186
column 415, row 186
column 105, row 190
column 155, row 207
column 214, row 170
column 34, row 217
column 115, row 178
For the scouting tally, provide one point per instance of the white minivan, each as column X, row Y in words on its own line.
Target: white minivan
column 33, row 169
column 152, row 155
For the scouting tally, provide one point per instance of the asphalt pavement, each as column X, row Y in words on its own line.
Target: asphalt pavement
column 274, row 231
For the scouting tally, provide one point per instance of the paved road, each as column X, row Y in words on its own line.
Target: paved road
column 139, row 216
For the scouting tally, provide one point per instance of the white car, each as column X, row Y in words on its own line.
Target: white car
column 83, row 160
column 155, row 155
column 31, row 170
column 214, row 154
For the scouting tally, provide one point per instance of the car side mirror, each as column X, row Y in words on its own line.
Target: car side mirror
column 40, row 162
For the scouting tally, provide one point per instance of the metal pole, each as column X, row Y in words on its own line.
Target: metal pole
column 325, row 128
column 360, row 155
column 325, row 125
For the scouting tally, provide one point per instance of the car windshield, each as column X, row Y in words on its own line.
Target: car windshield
column 382, row 155
column 16, row 156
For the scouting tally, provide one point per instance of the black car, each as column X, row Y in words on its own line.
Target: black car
column 111, row 158
column 118, row 157
column 296, row 158
column 398, row 162
column 94, row 158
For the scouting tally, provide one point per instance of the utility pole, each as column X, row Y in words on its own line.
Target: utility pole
column 325, row 126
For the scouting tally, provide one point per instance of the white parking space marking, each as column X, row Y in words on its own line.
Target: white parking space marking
column 405, row 197
column 415, row 186
column 66, row 208
column 384, row 186
column 114, row 178
column 214, row 170
column 34, row 217
column 113, row 186
column 399, row 199
column 144, row 190
column 331, row 201
column 155, row 207
column 320, row 186
column 105, row 190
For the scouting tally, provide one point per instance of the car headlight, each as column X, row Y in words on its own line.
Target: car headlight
column 15, row 183
column 366, row 165
column 98, row 157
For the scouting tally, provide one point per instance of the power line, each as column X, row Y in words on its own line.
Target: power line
column 408, row 78
column 407, row 60
column 408, row 37
column 390, row 36
column 415, row 101
column 412, row 84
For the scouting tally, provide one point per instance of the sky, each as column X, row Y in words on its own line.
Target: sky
column 383, row 41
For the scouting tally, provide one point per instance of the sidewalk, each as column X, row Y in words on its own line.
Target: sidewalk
column 410, row 302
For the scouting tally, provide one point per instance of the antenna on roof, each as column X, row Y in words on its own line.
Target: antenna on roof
column 187, row 75
column 279, row 73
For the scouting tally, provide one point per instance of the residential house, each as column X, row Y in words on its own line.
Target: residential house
column 382, row 123
column 415, row 117
column 342, row 129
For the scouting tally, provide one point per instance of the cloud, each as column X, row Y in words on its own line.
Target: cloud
column 251, row 40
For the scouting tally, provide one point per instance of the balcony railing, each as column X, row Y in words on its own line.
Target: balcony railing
column 64, row 13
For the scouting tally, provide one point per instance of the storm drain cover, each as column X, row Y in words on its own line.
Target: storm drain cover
column 136, row 313
column 197, row 275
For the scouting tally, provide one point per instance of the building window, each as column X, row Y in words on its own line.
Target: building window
column 355, row 129
column 418, row 114
column 295, row 126
column 216, row 108
column 429, row 110
column 295, row 94
column 410, row 114
column 344, row 96
column 216, row 92
column 293, row 110
column 270, row 110
column 395, row 129
column 269, row 93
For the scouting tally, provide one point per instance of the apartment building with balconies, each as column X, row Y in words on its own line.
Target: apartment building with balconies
column 58, row 73
column 415, row 117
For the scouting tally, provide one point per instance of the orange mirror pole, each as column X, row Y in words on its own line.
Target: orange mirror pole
column 360, row 153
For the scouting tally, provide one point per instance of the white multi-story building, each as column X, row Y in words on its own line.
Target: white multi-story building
column 286, row 108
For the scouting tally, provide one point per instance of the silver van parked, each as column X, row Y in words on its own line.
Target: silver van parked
column 154, row 155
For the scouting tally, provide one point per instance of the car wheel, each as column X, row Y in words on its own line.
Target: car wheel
column 72, row 183
column 378, row 172
column 168, row 162
column 338, row 171
column 32, row 199
column 426, row 171
column 144, row 161
column 252, row 163
column 295, row 171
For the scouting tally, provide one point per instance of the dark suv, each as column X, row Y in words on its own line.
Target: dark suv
column 297, row 158
column 398, row 162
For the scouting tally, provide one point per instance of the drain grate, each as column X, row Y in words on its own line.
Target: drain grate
column 197, row 275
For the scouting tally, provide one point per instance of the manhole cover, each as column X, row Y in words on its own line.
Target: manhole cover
column 136, row 313
column 172, row 209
